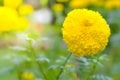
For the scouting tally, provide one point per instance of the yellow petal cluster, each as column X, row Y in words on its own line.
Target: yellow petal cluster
column 25, row 9
column 85, row 32
column 28, row 76
column 24, row 23
column 107, row 4
column 8, row 19
column 78, row 3
column 12, row 3
column 111, row 4
column 58, row 7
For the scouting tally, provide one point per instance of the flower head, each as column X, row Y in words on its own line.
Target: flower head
column 58, row 7
column 85, row 32
column 111, row 4
column 8, row 19
column 28, row 76
column 25, row 9
column 12, row 3
column 78, row 3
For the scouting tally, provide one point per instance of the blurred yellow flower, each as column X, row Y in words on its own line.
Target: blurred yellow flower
column 12, row 3
column 28, row 76
column 85, row 32
column 78, row 3
column 93, row 2
column 25, row 9
column 58, row 7
column 99, row 3
column 8, row 19
column 69, row 66
column 61, row 0
column 111, row 4
column 74, row 75
column 24, row 23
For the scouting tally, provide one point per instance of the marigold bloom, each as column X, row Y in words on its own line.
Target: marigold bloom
column 12, row 3
column 24, row 23
column 85, row 32
column 58, row 7
column 25, row 9
column 111, row 4
column 28, row 76
column 8, row 19
column 78, row 3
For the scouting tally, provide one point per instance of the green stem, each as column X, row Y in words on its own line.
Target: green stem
column 92, row 72
column 18, row 72
column 38, row 63
column 93, row 68
column 61, row 71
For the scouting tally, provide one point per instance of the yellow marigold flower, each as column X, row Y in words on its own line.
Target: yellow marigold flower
column 25, row 9
column 24, row 23
column 92, row 1
column 61, row 0
column 8, row 19
column 99, row 3
column 110, row 4
column 78, row 3
column 12, row 3
column 58, row 7
column 28, row 76
column 85, row 32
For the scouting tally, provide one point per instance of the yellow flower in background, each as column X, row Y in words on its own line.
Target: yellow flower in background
column 24, row 23
column 25, row 9
column 99, row 3
column 61, row 0
column 12, row 3
column 58, row 7
column 69, row 66
column 8, row 19
column 28, row 76
column 78, row 3
column 92, row 1
column 85, row 32
column 111, row 4
column 74, row 75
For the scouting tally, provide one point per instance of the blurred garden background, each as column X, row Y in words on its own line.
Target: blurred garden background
column 32, row 47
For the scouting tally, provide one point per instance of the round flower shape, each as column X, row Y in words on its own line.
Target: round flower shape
column 12, row 3
column 85, row 32
column 25, row 9
column 8, row 19
column 58, row 7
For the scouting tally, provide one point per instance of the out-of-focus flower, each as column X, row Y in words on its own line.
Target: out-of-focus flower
column 39, row 27
column 58, row 7
column 12, row 3
column 78, row 3
column 85, row 32
column 69, row 66
column 8, row 19
column 98, row 3
column 24, row 23
column 74, row 75
column 28, row 76
column 111, row 4
column 92, row 1
column 43, row 16
column 25, row 9
column 61, row 1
